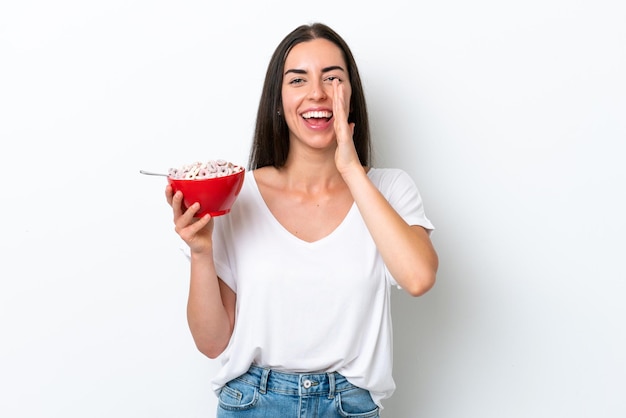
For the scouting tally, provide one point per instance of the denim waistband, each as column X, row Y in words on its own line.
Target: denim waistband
column 298, row 384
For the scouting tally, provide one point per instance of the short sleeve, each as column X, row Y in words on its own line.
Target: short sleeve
column 403, row 195
column 223, row 251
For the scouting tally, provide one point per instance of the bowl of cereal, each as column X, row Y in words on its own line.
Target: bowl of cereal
column 215, row 184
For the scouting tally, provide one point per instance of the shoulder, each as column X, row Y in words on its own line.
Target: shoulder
column 265, row 176
column 385, row 178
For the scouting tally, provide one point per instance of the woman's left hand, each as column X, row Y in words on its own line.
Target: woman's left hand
column 346, row 156
column 406, row 250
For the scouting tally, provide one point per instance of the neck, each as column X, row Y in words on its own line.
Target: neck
column 311, row 173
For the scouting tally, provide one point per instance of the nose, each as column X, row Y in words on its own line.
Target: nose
column 317, row 91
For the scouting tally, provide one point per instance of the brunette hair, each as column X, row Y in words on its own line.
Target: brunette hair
column 270, row 145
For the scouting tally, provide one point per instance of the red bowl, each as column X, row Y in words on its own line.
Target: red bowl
column 215, row 195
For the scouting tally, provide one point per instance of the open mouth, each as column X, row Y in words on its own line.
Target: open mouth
column 319, row 114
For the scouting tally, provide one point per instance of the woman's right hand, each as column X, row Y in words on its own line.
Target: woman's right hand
column 211, row 303
column 196, row 232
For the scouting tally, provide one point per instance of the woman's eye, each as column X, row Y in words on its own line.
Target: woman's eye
column 296, row 81
column 331, row 78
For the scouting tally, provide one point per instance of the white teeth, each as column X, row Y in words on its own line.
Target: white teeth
column 317, row 114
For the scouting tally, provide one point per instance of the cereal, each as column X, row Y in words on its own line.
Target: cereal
column 204, row 170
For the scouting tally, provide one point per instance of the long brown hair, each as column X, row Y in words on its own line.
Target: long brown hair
column 270, row 145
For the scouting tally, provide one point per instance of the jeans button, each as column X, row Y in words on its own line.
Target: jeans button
column 307, row 383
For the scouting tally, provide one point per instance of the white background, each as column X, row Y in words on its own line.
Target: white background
column 510, row 116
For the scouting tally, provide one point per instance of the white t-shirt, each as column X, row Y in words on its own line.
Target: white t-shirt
column 311, row 307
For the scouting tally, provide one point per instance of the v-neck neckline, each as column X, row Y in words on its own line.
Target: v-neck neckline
column 279, row 226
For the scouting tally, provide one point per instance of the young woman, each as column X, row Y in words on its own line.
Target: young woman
column 291, row 289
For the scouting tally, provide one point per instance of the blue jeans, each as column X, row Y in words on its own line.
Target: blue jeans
column 265, row 393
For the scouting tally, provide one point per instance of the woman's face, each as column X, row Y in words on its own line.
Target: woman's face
column 307, row 92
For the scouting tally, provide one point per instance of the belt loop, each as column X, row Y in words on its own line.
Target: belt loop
column 264, row 377
column 331, row 384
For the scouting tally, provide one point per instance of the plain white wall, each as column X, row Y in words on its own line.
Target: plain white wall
column 509, row 115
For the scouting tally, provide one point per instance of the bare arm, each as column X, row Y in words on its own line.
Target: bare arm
column 211, row 303
column 406, row 250
column 210, row 308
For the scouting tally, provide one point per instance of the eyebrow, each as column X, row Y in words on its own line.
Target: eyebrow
column 324, row 70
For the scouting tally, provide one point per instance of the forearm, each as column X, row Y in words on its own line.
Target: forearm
column 208, row 318
column 407, row 251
